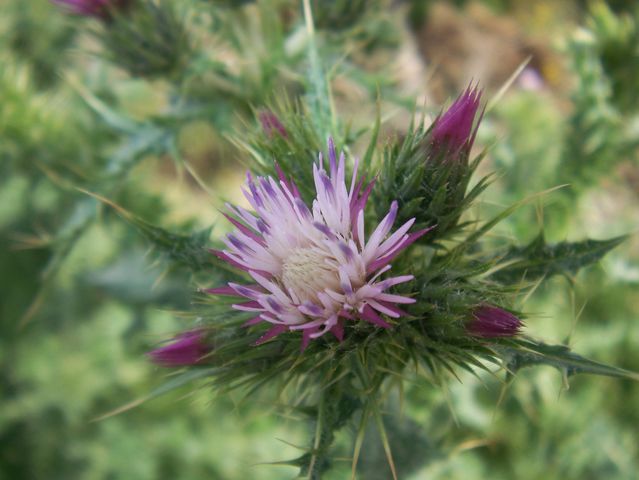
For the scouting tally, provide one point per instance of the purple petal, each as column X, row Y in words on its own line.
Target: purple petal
column 383, row 261
column 222, row 291
column 223, row 256
column 338, row 330
column 332, row 156
column 306, row 337
column 252, row 321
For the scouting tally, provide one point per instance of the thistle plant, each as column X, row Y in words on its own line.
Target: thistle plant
column 304, row 264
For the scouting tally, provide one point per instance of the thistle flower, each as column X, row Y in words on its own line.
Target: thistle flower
column 92, row 8
column 313, row 268
column 491, row 322
column 187, row 349
column 453, row 130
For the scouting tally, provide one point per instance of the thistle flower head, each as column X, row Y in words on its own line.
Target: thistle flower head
column 313, row 267
column 453, row 130
column 492, row 322
column 186, row 349
column 92, row 8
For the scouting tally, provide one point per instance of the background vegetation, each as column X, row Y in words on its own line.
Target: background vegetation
column 85, row 291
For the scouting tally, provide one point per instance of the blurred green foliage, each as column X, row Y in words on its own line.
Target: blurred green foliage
column 88, row 287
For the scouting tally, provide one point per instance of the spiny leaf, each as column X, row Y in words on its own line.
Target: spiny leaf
column 540, row 259
column 530, row 353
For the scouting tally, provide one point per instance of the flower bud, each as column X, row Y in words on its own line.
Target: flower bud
column 453, row 131
column 271, row 124
column 93, row 8
column 187, row 349
column 491, row 322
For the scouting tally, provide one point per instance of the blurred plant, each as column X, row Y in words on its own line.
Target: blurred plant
column 71, row 167
column 149, row 39
column 38, row 39
column 600, row 136
column 339, row 14
column 615, row 40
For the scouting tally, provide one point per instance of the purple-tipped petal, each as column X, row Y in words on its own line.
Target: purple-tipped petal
column 292, row 187
column 223, row 256
column 252, row 321
column 222, row 291
column 244, row 229
column 409, row 240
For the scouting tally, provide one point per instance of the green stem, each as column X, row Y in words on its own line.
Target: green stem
column 334, row 409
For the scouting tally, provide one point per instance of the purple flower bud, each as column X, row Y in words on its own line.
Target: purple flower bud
column 93, row 8
column 453, row 130
column 271, row 124
column 491, row 322
column 187, row 349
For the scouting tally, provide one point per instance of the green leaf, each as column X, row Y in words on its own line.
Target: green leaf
column 540, row 259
